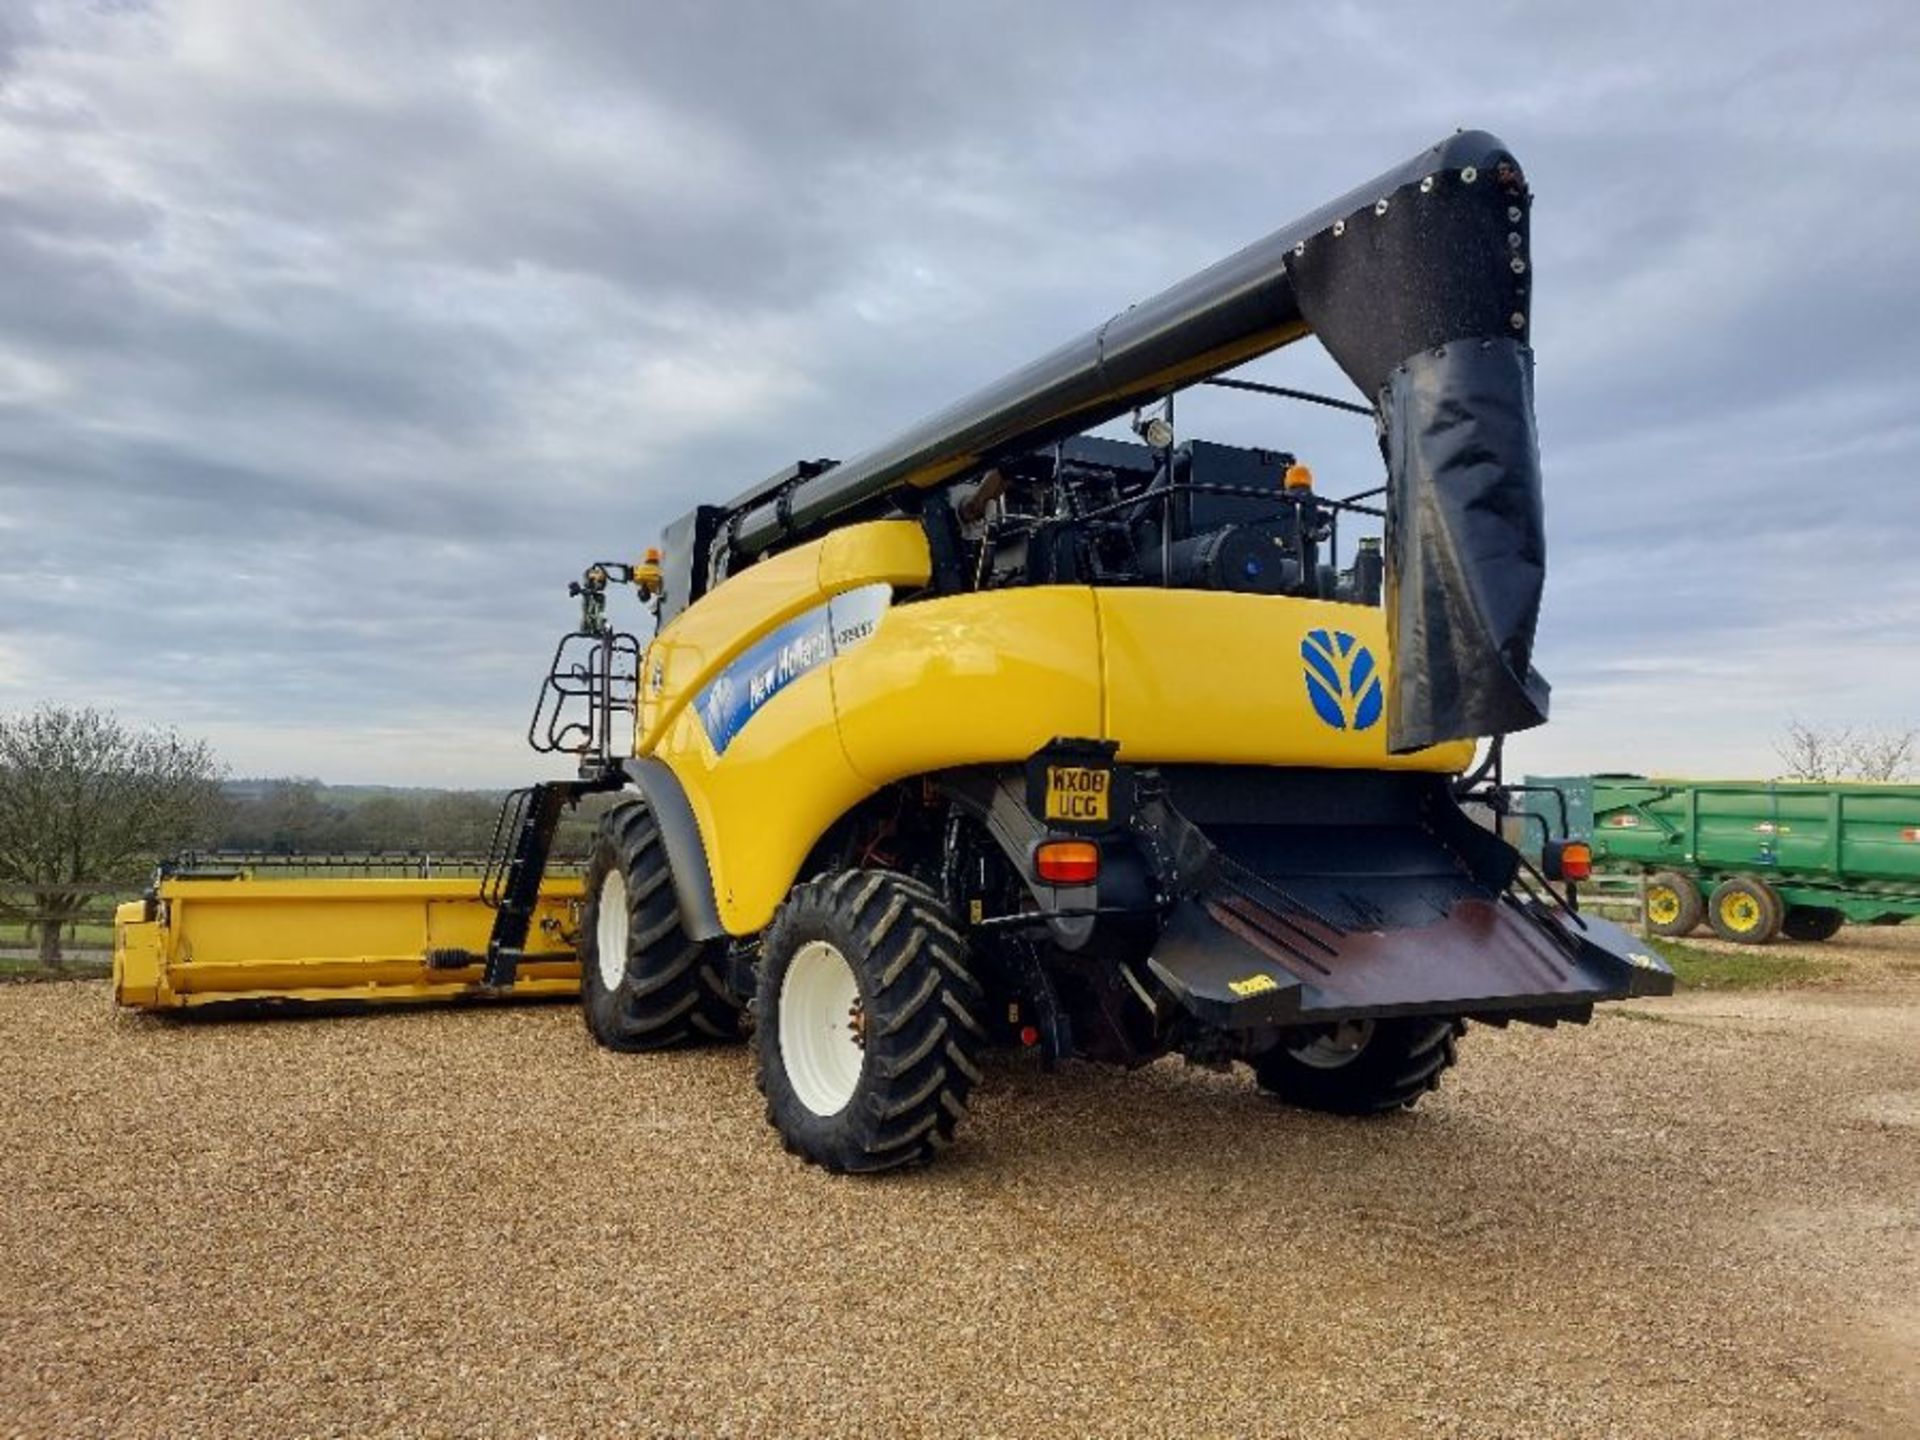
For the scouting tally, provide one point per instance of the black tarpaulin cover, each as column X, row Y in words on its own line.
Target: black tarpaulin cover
column 1423, row 300
column 1466, row 552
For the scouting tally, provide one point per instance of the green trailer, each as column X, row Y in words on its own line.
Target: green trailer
column 1755, row 858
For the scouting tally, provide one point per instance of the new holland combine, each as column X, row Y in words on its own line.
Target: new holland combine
column 1002, row 734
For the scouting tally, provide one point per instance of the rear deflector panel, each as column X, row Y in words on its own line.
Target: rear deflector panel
column 1377, row 898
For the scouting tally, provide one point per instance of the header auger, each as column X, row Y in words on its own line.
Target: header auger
column 1004, row 734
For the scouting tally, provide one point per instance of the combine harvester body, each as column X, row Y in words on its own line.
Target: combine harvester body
column 1005, row 734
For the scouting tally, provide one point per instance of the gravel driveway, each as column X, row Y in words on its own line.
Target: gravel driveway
column 1696, row 1217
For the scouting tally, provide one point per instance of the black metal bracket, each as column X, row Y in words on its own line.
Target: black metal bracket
column 945, row 548
column 517, row 863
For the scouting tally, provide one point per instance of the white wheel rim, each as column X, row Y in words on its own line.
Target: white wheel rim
column 1330, row 1052
column 821, row 1028
column 611, row 930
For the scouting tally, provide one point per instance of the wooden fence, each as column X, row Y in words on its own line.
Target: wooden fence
column 86, row 919
column 1622, row 898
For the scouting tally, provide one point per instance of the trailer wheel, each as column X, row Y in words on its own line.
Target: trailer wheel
column 1811, row 922
column 869, row 1023
column 1362, row 1067
column 1745, row 910
column 1674, row 906
column 644, row 985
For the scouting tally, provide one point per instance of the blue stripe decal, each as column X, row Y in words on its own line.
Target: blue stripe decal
column 782, row 656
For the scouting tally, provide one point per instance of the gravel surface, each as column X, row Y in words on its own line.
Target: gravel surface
column 1698, row 1217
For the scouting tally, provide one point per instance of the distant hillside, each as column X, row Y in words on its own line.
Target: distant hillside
column 253, row 787
column 294, row 816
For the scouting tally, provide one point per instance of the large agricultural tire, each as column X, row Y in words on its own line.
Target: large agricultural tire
column 869, row 1024
column 1364, row 1067
column 1811, row 922
column 1674, row 904
column 1745, row 910
column 644, row 985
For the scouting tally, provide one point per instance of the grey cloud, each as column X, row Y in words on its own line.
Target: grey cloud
column 334, row 339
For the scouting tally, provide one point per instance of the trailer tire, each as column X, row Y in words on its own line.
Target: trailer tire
column 1366, row 1067
column 1811, row 922
column 644, row 985
column 886, row 1085
column 1745, row 910
column 1674, row 904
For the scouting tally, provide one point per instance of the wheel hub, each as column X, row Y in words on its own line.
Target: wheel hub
column 1740, row 912
column 1340, row 1046
column 611, row 930
column 823, row 1028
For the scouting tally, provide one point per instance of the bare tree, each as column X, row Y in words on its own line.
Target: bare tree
column 86, row 801
column 1884, row 755
column 1811, row 752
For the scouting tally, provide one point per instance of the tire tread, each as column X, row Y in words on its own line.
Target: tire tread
column 923, row 1034
column 670, row 994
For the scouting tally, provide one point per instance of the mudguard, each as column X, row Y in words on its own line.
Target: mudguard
column 686, row 852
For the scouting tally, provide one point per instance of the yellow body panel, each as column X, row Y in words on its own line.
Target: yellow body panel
column 891, row 550
column 1207, row 677
column 217, row 941
column 700, row 642
column 978, row 678
column 781, row 783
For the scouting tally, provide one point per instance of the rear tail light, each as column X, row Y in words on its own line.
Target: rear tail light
column 1569, row 860
column 1067, row 862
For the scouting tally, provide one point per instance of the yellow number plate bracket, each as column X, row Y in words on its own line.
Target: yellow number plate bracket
column 1075, row 785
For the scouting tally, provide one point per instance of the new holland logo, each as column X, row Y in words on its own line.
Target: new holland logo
column 1342, row 681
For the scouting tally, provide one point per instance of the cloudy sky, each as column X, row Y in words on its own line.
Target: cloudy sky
column 335, row 338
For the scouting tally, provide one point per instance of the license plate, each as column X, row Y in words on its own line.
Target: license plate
column 1078, row 793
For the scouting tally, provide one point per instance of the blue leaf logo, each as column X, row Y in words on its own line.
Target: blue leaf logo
column 1342, row 681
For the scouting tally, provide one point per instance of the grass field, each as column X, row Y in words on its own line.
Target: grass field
column 17, row 935
column 1760, row 968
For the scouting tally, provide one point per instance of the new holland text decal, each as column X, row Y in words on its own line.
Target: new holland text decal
column 783, row 655
column 1342, row 681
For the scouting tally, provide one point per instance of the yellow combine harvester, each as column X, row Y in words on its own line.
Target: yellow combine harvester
column 1008, row 734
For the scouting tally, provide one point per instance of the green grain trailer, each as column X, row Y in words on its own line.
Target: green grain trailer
column 1760, row 858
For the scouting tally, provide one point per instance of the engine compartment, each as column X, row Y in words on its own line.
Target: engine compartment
column 1193, row 516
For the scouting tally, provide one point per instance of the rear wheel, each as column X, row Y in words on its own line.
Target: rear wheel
column 1362, row 1067
column 869, row 1023
column 1811, row 922
column 1674, row 906
column 1746, row 910
column 644, row 985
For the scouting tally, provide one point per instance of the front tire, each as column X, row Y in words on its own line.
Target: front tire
column 1362, row 1067
column 869, row 1023
column 644, row 985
